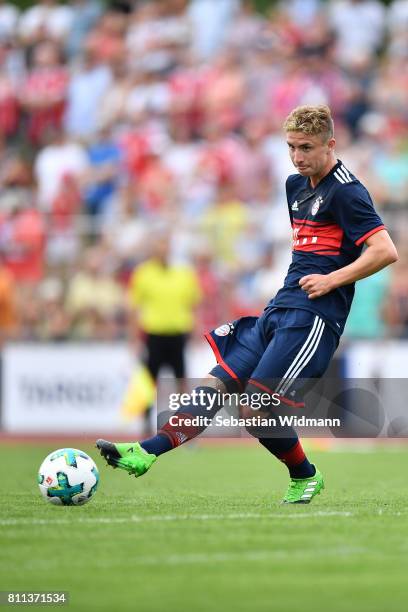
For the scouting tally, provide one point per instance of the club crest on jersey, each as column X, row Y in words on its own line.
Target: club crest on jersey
column 316, row 205
column 224, row 330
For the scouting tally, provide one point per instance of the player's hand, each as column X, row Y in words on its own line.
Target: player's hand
column 316, row 285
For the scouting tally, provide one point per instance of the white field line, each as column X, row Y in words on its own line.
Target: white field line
column 169, row 518
column 250, row 555
column 160, row 518
column 211, row 558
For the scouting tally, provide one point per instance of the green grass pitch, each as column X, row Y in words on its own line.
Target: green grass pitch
column 204, row 531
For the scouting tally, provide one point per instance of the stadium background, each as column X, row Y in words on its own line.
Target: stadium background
column 123, row 118
column 119, row 119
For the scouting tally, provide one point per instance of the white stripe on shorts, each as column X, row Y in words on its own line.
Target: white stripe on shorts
column 306, row 358
column 309, row 341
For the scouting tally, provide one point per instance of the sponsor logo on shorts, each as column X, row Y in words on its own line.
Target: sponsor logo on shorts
column 224, row 330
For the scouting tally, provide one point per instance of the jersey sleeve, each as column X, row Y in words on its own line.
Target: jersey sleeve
column 354, row 212
column 289, row 186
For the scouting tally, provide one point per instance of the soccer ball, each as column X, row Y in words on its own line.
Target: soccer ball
column 68, row 477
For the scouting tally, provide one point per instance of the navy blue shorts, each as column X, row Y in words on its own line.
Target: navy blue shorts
column 280, row 351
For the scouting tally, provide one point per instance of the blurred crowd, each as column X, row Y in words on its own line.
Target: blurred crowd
column 123, row 118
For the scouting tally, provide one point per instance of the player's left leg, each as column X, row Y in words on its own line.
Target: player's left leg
column 301, row 348
column 306, row 481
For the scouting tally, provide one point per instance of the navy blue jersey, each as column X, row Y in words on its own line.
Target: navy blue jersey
column 330, row 224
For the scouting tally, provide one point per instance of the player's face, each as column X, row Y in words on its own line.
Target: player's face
column 312, row 155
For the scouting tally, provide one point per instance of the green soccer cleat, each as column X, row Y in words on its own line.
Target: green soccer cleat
column 129, row 456
column 303, row 490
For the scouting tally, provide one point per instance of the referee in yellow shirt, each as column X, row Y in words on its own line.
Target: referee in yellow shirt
column 163, row 297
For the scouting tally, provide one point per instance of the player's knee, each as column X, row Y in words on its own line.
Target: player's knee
column 215, row 383
column 205, row 400
column 222, row 385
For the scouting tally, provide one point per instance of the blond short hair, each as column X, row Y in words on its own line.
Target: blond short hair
column 310, row 120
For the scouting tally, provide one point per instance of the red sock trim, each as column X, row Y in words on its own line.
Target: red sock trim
column 294, row 456
column 162, row 432
column 178, row 432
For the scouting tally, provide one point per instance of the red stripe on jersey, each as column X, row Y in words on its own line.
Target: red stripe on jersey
column 325, row 238
column 327, row 252
column 368, row 234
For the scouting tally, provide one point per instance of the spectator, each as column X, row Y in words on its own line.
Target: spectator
column 397, row 17
column 107, row 37
column 366, row 318
column 46, row 19
column 127, row 233
column 300, row 12
column 156, row 187
column 85, row 14
column 94, row 299
column 391, row 168
column 9, row 15
column 55, row 322
column 8, row 306
column 246, row 29
column 182, row 154
column 266, row 282
column 22, row 237
column 87, row 88
column 213, row 307
column 112, row 110
column 16, row 174
column 210, row 21
column 44, row 91
column 152, row 181
column 64, row 222
column 224, row 92
column 9, row 108
column 359, row 26
column 149, row 93
column 252, row 170
column 101, row 179
column 223, row 224
column 30, row 313
column 61, row 157
column 157, row 29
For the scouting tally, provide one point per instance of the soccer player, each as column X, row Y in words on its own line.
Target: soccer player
column 332, row 218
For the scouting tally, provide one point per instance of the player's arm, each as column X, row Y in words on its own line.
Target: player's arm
column 380, row 252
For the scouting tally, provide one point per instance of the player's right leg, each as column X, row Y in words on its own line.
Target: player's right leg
column 298, row 353
column 137, row 458
column 129, row 456
column 238, row 347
